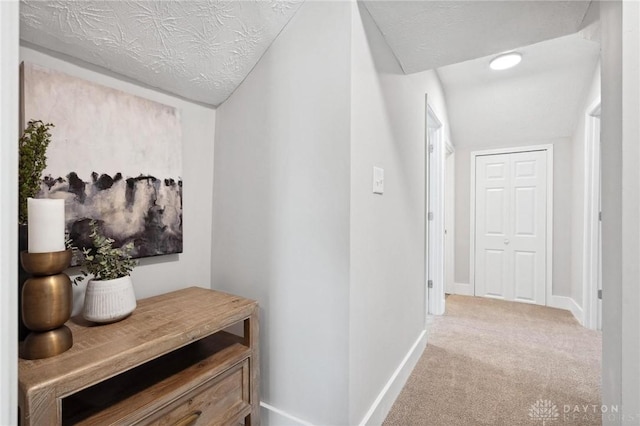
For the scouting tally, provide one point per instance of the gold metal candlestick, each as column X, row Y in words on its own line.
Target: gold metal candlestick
column 47, row 299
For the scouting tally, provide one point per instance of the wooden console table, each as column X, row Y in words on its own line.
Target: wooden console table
column 169, row 363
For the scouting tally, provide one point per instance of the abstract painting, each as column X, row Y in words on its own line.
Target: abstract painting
column 114, row 157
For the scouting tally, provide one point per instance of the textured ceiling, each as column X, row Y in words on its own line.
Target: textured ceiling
column 429, row 34
column 536, row 101
column 198, row 49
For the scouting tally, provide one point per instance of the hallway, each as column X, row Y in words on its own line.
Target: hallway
column 489, row 362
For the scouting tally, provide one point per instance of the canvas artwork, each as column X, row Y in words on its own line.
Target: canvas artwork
column 114, row 157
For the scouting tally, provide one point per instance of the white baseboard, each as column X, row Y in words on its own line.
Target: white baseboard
column 463, row 289
column 272, row 416
column 387, row 396
column 567, row 303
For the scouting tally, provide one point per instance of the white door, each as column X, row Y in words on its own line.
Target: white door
column 510, row 225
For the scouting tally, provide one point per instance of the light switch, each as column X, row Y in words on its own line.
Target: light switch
column 378, row 180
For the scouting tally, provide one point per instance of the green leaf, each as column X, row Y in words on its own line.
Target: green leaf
column 108, row 262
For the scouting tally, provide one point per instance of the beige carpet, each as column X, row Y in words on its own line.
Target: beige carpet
column 489, row 362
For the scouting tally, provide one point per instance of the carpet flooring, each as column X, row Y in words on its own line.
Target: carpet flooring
column 491, row 362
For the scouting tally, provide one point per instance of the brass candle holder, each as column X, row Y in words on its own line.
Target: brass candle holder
column 47, row 300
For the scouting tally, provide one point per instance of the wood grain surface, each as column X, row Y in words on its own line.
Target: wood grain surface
column 158, row 326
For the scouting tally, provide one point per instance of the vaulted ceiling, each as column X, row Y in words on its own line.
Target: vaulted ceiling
column 203, row 49
column 538, row 100
column 535, row 101
column 430, row 34
column 198, row 49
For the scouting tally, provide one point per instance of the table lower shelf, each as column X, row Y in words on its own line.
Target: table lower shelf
column 206, row 382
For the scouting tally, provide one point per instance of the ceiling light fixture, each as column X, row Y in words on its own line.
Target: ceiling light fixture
column 505, row 61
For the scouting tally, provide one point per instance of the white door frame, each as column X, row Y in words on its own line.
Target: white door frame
column 449, row 218
column 426, row 208
column 592, row 244
column 472, row 206
column 435, row 213
column 9, row 84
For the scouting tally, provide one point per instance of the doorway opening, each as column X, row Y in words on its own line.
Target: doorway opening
column 435, row 219
column 592, row 290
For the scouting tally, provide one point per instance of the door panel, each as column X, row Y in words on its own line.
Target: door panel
column 530, row 213
column 494, row 267
column 525, row 169
column 525, row 275
column 492, row 225
column 525, row 219
column 495, row 171
column 494, row 212
column 510, row 230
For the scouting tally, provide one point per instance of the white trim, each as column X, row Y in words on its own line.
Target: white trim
column 472, row 207
column 472, row 223
column 382, row 404
column 549, row 292
column 9, row 134
column 274, row 416
column 426, row 209
column 568, row 304
column 435, row 253
column 387, row 396
column 591, row 242
column 449, row 147
column 463, row 289
column 449, row 226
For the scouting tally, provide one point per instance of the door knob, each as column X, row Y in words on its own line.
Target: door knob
column 506, row 241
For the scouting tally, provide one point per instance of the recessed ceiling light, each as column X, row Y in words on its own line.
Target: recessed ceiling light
column 505, row 61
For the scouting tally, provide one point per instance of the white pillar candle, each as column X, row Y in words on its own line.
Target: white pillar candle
column 46, row 225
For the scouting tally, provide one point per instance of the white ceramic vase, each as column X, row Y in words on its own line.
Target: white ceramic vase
column 109, row 300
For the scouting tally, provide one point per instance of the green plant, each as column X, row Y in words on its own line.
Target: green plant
column 103, row 261
column 33, row 160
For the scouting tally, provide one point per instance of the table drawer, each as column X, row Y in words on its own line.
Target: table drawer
column 220, row 401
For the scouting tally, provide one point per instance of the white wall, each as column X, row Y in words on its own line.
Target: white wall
column 578, row 144
column 630, row 209
column 192, row 267
column 562, row 193
column 338, row 271
column 611, row 157
column 281, row 210
column 9, row 19
column 620, row 132
column 387, row 279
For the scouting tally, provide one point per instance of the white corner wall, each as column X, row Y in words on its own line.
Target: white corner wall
column 612, row 161
column 162, row 274
column 578, row 145
column 387, row 277
column 620, row 132
column 339, row 272
column 281, row 212
column 9, row 38
column 630, row 211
